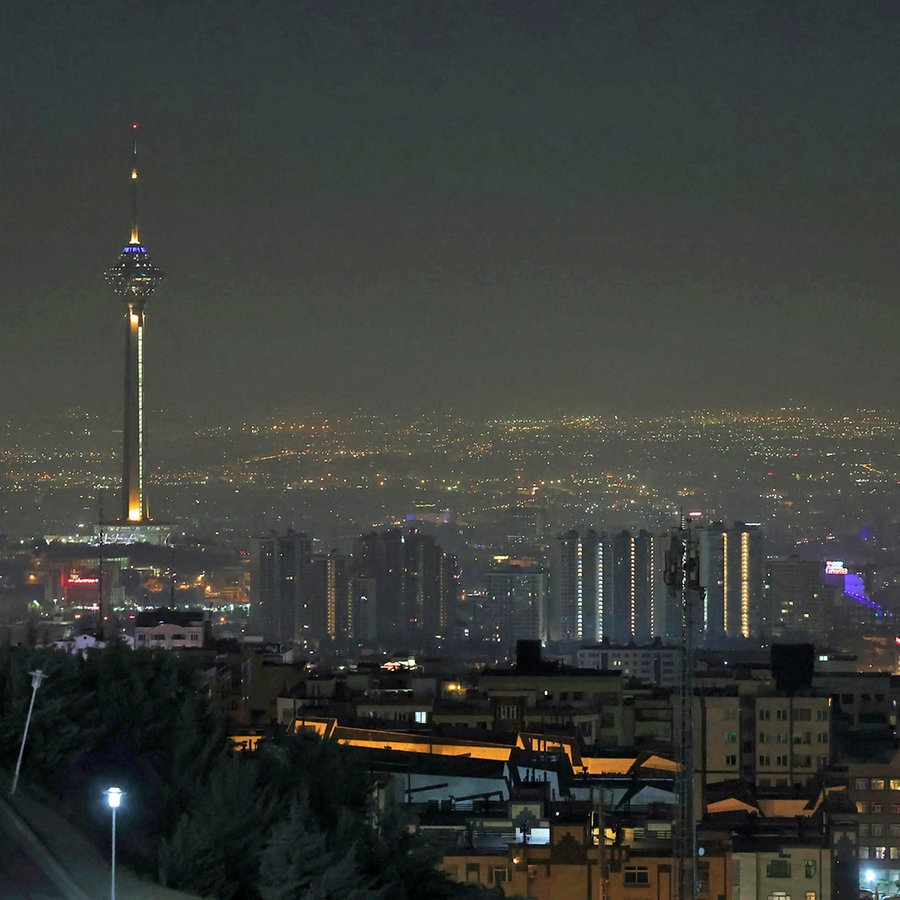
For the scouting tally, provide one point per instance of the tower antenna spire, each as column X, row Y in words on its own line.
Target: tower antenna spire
column 134, row 181
column 134, row 278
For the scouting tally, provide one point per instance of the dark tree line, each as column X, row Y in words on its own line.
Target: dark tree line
column 294, row 819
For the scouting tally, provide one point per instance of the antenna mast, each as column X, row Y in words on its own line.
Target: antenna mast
column 134, row 181
column 683, row 580
column 101, row 631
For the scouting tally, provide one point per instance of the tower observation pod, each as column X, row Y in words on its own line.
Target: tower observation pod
column 134, row 278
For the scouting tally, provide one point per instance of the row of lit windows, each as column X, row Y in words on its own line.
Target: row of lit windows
column 879, row 852
column 876, row 784
column 876, row 807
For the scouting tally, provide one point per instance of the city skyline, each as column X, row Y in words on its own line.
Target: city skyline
column 493, row 208
column 811, row 480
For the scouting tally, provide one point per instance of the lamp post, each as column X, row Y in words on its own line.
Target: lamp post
column 37, row 676
column 870, row 877
column 114, row 798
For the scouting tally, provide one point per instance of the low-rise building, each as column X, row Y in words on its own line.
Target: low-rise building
column 171, row 629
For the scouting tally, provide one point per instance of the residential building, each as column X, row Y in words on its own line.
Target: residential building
column 278, row 606
column 515, row 604
column 171, row 629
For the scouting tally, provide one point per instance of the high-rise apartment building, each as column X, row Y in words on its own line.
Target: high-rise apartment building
column 380, row 574
column 732, row 570
column 516, row 602
column 796, row 603
column 326, row 608
column 527, row 527
column 608, row 587
column 578, row 587
column 634, row 612
column 279, row 571
column 405, row 586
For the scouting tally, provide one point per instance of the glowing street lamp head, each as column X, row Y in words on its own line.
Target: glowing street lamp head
column 114, row 797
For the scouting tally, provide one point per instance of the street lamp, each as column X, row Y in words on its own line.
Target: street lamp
column 37, row 676
column 870, row 877
column 114, row 797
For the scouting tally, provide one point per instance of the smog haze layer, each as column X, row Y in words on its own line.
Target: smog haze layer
column 496, row 208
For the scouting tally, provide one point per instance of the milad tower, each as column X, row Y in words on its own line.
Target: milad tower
column 134, row 278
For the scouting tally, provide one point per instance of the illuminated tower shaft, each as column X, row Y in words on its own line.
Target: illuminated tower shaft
column 134, row 497
column 134, row 278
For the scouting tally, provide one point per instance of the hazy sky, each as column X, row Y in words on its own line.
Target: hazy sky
column 491, row 207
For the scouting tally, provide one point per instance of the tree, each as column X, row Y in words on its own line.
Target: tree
column 214, row 850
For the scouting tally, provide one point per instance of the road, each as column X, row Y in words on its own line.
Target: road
column 21, row 878
column 44, row 857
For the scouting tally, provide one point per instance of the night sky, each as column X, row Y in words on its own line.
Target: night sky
column 493, row 208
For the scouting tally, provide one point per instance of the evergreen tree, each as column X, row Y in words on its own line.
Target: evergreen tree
column 215, row 848
column 293, row 819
